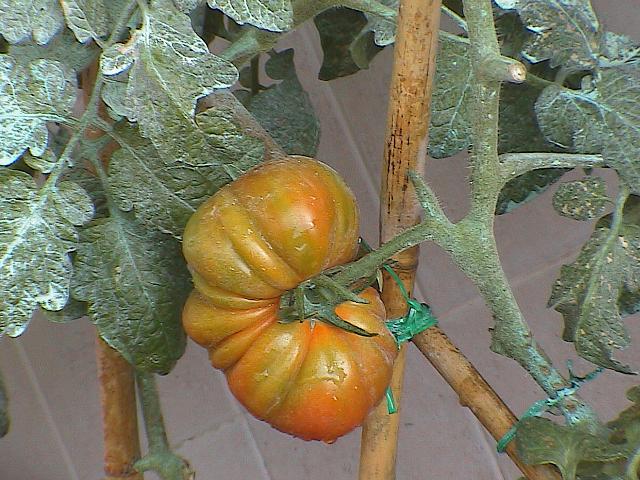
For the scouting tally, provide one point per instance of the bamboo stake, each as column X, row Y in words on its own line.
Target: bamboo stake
column 476, row 394
column 119, row 414
column 406, row 145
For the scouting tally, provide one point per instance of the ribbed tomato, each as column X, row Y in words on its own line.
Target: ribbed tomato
column 276, row 226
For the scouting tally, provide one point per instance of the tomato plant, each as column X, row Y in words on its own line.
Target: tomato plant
column 256, row 238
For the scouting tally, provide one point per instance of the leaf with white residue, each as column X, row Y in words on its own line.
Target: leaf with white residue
column 169, row 68
column 601, row 119
column 23, row 20
column 37, row 232
column 87, row 19
column 582, row 199
column 30, row 96
column 274, row 15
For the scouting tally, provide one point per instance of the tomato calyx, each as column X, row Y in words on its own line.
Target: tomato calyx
column 317, row 299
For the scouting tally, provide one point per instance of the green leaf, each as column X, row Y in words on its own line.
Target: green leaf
column 169, row 68
column 582, row 199
column 541, row 441
column 526, row 187
column 450, row 130
column 616, row 49
column 164, row 193
column 30, row 96
column 24, row 20
column 602, row 119
column 274, row 15
column 135, row 282
column 384, row 30
column 566, row 31
column 285, row 110
column 4, row 409
column 587, row 291
column 339, row 28
column 73, row 310
column 86, row 18
column 37, row 232
column 63, row 48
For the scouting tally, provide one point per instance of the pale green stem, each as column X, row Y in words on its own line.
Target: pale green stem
column 513, row 165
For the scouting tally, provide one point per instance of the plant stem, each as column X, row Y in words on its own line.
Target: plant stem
column 461, row 22
column 160, row 458
column 119, row 417
column 405, row 151
column 513, row 165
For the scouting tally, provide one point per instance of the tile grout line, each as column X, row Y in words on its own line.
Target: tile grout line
column 24, row 358
column 245, row 426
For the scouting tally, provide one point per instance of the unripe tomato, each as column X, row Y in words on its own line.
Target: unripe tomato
column 276, row 226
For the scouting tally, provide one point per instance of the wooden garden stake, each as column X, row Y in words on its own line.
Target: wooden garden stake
column 405, row 150
column 119, row 414
column 406, row 146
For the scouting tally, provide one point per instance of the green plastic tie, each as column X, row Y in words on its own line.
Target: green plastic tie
column 541, row 406
column 391, row 403
column 417, row 319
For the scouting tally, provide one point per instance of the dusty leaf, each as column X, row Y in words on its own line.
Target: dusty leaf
column 274, row 15
column 450, row 128
column 588, row 290
column 86, row 18
column 37, row 232
column 602, row 118
column 30, row 96
column 285, row 110
column 566, row 32
column 23, row 20
column 541, row 441
column 581, row 199
column 163, row 192
column 526, row 187
column 63, row 48
column 169, row 67
column 384, row 29
column 134, row 281
column 617, row 49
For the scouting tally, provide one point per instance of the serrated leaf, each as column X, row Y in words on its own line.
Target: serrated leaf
column 87, row 19
column 566, row 31
column 31, row 96
column 164, row 193
column 37, row 232
column 526, row 187
column 134, row 281
column 63, row 48
column 339, row 28
column 587, row 292
column 170, row 67
column 617, row 49
column 603, row 119
column 23, row 20
column 73, row 310
column 285, row 110
column 541, row 441
column 450, row 130
column 384, row 29
column 4, row 409
column 274, row 15
column 582, row 199
column 186, row 6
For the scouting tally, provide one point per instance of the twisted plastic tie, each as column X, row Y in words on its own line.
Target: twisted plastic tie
column 417, row 319
column 541, row 406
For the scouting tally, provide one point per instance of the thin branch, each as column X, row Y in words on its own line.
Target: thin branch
column 160, row 458
column 513, row 165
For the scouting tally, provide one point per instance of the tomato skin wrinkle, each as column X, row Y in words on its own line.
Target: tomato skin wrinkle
column 277, row 225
